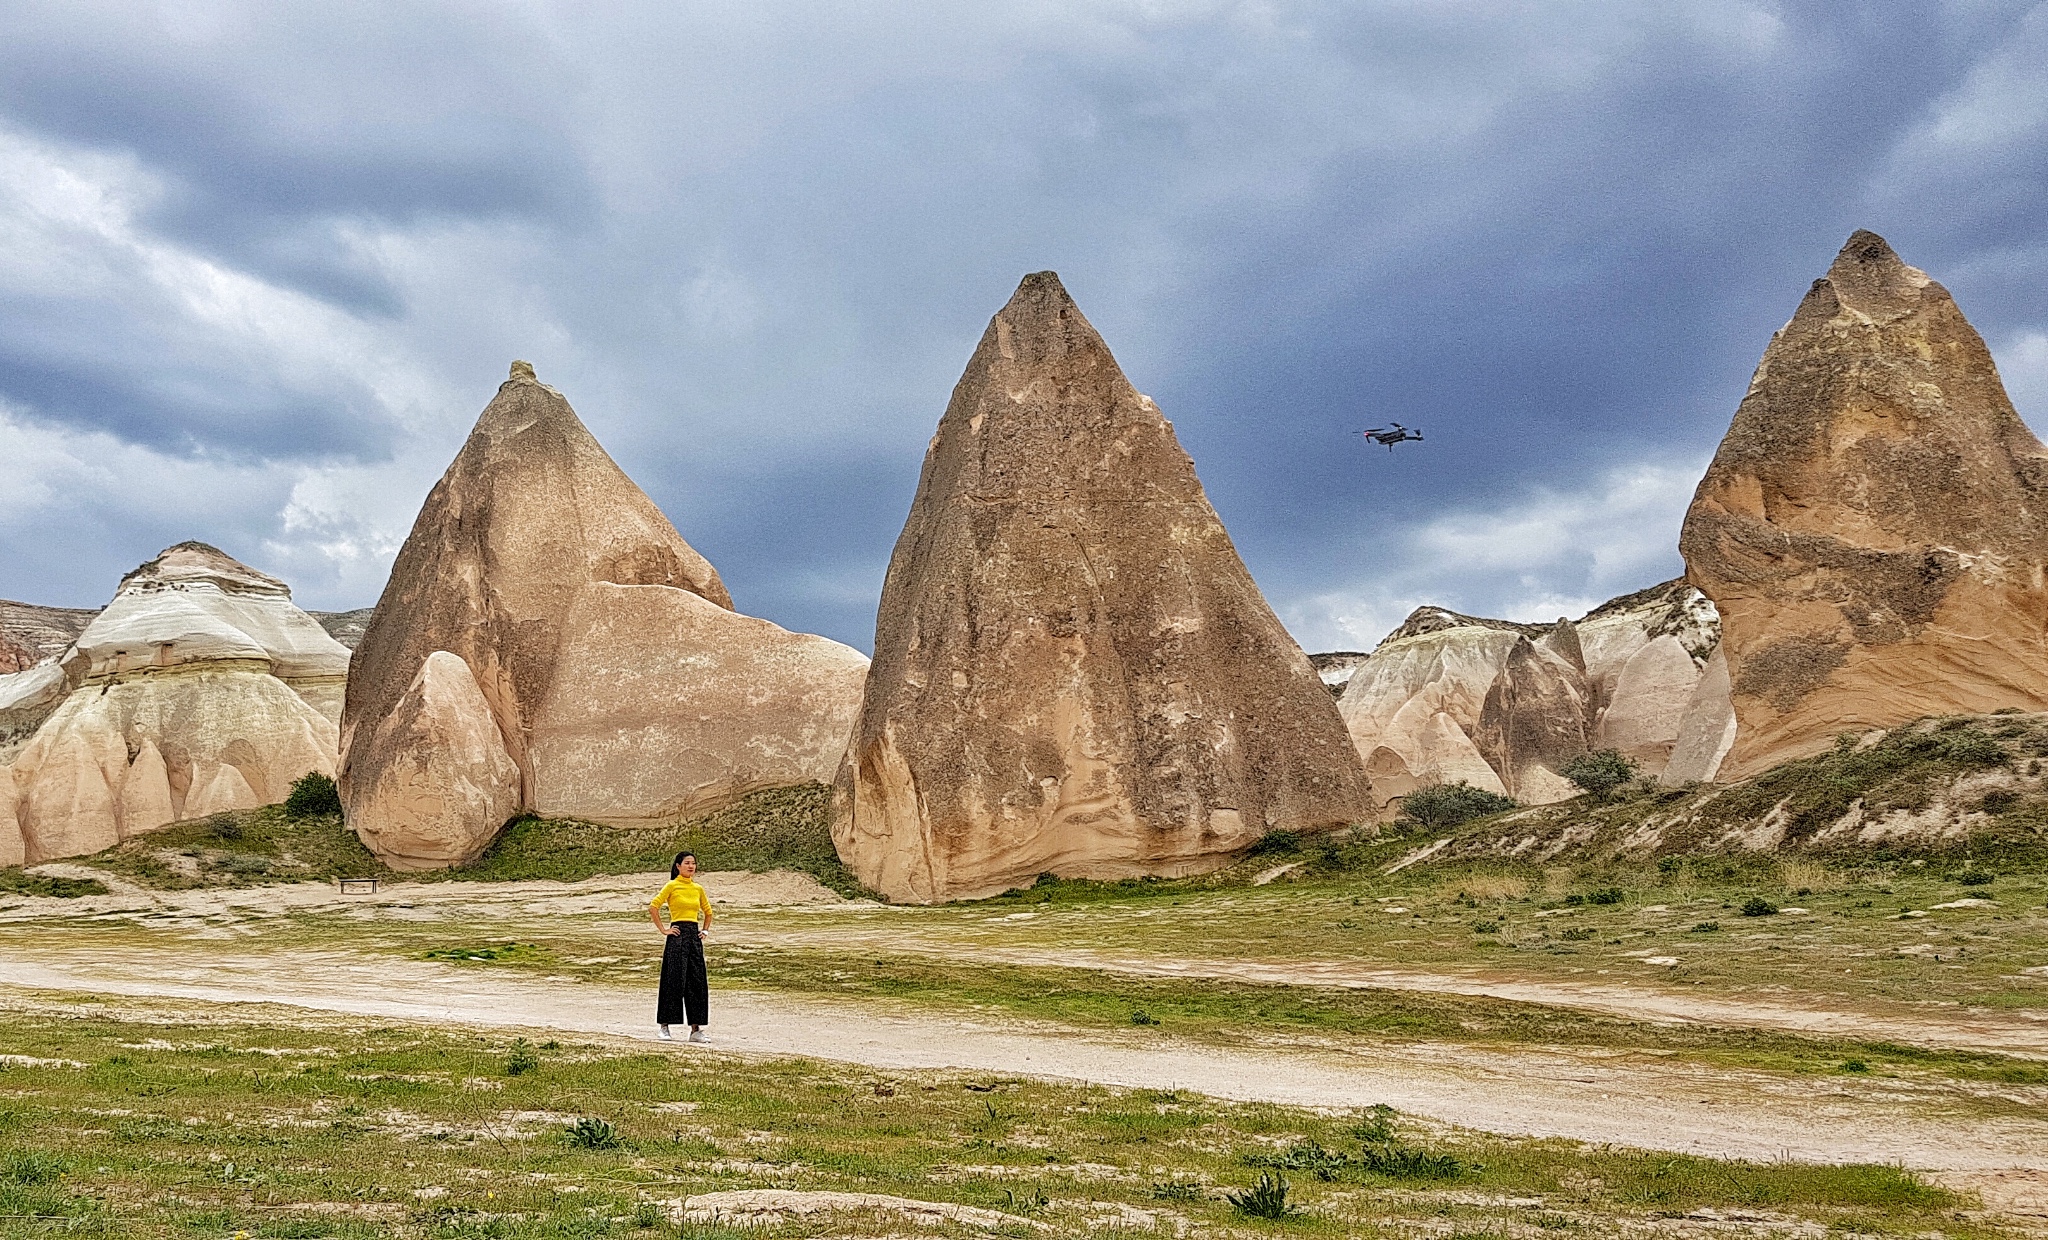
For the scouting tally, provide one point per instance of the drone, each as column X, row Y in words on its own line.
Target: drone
column 1391, row 434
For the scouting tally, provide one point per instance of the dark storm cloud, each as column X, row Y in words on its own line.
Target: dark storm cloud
column 755, row 244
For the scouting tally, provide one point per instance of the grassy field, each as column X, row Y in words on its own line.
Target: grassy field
column 780, row 828
column 180, row 1122
column 1219, row 1011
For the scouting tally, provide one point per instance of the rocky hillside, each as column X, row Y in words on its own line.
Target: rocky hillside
column 1970, row 785
column 345, row 627
column 1502, row 705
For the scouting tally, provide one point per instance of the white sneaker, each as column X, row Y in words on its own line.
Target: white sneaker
column 697, row 1035
column 666, row 1036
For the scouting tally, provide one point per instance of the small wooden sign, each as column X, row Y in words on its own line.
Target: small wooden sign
column 358, row 886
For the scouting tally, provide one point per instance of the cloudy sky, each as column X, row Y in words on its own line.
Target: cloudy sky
column 261, row 265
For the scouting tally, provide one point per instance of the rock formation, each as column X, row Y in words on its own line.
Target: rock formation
column 1073, row 671
column 1502, row 705
column 544, row 601
column 199, row 688
column 32, row 635
column 346, row 627
column 1872, row 528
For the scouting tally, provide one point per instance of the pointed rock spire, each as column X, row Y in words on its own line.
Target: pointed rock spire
column 1073, row 671
column 548, row 642
column 1873, row 527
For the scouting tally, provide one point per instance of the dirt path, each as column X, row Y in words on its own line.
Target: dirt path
column 215, row 913
column 1949, row 1026
column 1602, row 1097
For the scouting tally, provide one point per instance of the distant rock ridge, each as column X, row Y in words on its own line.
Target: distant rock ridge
column 346, row 627
column 200, row 687
column 1503, row 705
column 1873, row 529
column 548, row 642
column 1424, row 620
column 30, row 635
column 1074, row 673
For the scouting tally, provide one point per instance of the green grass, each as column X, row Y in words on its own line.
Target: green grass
column 780, row 828
column 192, row 1124
column 1214, row 1007
column 18, row 883
column 241, row 848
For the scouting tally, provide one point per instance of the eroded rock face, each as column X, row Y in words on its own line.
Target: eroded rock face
column 201, row 687
column 1872, row 528
column 1073, row 672
column 622, row 685
column 449, row 784
column 1503, row 705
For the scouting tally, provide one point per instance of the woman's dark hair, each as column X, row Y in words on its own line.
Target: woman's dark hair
column 676, row 870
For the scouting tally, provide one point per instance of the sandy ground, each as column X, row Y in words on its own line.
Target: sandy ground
column 1590, row 1096
column 1986, row 1137
column 215, row 913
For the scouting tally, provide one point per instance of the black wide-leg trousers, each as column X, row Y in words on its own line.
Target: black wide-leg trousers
column 685, row 997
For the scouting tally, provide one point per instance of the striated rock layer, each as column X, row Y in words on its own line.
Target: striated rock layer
column 548, row 642
column 32, row 635
column 1503, row 705
column 201, row 687
column 1073, row 671
column 1872, row 528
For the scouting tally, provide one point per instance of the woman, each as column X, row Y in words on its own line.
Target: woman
column 685, row 989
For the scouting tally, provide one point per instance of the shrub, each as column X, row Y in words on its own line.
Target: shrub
column 1606, row 895
column 1408, row 1162
column 312, row 795
column 1286, row 843
column 31, row 1167
column 592, row 1133
column 522, row 1060
column 1377, row 1124
column 223, row 826
column 49, row 885
column 1969, row 747
column 1142, row 1017
column 1309, row 1156
column 1998, row 801
column 1757, row 906
column 1486, row 927
column 1599, row 772
column 1974, row 878
column 1177, row 1190
column 1706, row 927
column 1267, row 1198
column 1447, row 805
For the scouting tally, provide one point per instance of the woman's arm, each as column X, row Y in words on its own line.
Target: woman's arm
column 654, row 915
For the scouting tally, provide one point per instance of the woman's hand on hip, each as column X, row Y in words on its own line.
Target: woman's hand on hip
column 671, row 932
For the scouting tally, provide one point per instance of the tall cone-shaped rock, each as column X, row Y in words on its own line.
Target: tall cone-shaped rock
column 1073, row 671
column 1874, row 528
column 581, row 629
